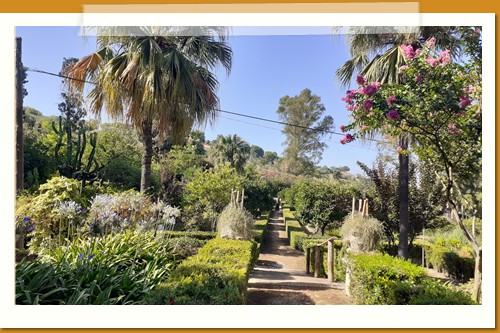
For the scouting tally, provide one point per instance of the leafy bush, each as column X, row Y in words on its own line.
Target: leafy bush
column 291, row 224
column 208, row 193
column 450, row 256
column 432, row 292
column 322, row 204
column 127, row 211
column 261, row 228
column 363, row 234
column 118, row 269
column 259, row 194
column 45, row 210
column 382, row 279
column 218, row 274
column 235, row 223
column 201, row 235
column 186, row 246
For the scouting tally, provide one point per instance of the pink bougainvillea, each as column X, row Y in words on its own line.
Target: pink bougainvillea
column 393, row 114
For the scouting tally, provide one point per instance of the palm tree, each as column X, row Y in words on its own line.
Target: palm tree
column 378, row 57
column 155, row 75
column 232, row 149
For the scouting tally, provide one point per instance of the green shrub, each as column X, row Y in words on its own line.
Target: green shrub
column 382, row 279
column 218, row 274
column 451, row 257
column 186, row 246
column 201, row 235
column 118, row 269
column 459, row 268
column 291, row 224
column 235, row 223
column 432, row 292
column 363, row 234
column 261, row 228
column 45, row 213
column 259, row 194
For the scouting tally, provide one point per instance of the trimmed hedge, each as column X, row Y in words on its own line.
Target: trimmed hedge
column 291, row 223
column 218, row 274
column 202, row 235
column 261, row 228
column 382, row 279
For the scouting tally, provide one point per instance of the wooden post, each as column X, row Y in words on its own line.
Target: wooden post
column 19, row 117
column 330, row 260
column 242, row 197
column 317, row 261
column 353, row 206
column 360, row 204
column 366, row 208
column 308, row 260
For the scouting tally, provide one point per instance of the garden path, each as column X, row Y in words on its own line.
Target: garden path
column 279, row 276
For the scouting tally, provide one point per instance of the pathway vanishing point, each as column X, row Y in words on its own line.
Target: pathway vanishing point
column 279, row 276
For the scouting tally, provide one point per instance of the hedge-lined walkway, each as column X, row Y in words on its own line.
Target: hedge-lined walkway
column 279, row 276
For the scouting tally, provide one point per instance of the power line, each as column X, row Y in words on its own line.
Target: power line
column 54, row 74
column 219, row 110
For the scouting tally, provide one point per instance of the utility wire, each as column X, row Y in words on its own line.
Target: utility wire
column 219, row 110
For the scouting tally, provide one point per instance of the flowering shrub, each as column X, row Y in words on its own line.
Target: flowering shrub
column 436, row 93
column 129, row 210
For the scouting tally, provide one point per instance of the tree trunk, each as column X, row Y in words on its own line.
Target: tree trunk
column 404, row 220
column 19, row 117
column 478, row 276
column 147, row 154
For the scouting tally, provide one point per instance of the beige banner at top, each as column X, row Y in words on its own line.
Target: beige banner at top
column 359, row 7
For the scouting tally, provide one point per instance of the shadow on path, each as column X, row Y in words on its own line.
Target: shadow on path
column 279, row 276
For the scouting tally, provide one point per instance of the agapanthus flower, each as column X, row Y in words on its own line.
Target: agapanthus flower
column 393, row 114
column 31, row 229
column 391, row 99
column 27, row 219
column 80, row 256
column 360, row 80
column 367, row 104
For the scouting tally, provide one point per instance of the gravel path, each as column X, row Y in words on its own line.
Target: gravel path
column 279, row 276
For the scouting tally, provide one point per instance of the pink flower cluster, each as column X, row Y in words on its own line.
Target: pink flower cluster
column 367, row 104
column 402, row 68
column 408, row 51
column 399, row 149
column 360, row 80
column 454, row 131
column 419, row 79
column 432, row 61
column 444, row 57
column 393, row 114
column 346, row 139
column 391, row 99
column 348, row 96
column 342, row 128
column 431, row 42
column 464, row 102
column 369, row 90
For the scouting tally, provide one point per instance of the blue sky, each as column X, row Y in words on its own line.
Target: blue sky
column 265, row 68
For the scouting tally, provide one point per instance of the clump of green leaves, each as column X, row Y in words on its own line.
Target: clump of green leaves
column 115, row 269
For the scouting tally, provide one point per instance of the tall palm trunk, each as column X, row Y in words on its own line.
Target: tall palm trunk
column 147, row 154
column 404, row 220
